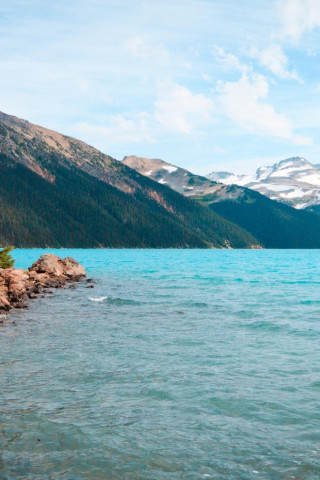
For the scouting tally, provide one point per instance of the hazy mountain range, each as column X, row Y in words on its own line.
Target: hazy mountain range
column 58, row 191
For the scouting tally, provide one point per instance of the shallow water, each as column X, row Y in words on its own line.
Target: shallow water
column 179, row 364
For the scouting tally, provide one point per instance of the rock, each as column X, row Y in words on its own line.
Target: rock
column 49, row 271
column 59, row 269
column 73, row 270
column 16, row 282
column 48, row 263
column 4, row 303
column 21, row 305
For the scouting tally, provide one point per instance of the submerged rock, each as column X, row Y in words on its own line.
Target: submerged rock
column 49, row 271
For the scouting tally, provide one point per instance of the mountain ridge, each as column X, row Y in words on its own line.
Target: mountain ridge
column 293, row 181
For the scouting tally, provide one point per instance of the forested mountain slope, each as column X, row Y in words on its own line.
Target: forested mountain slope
column 58, row 191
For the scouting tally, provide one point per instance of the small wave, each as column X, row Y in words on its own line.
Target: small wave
column 309, row 302
column 97, row 299
column 114, row 301
column 266, row 325
column 196, row 304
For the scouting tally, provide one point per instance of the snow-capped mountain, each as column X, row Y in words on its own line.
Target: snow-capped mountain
column 294, row 181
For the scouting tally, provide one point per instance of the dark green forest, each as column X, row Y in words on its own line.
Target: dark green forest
column 272, row 223
column 78, row 210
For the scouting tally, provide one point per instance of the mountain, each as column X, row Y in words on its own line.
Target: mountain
column 60, row 192
column 272, row 223
column 293, row 181
column 177, row 178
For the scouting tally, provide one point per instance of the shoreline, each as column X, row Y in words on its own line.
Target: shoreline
column 17, row 286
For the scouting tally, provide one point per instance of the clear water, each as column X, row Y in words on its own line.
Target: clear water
column 182, row 364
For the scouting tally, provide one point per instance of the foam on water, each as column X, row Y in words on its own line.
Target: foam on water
column 178, row 365
column 97, row 299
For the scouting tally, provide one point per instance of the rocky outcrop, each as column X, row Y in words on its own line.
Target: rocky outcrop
column 49, row 271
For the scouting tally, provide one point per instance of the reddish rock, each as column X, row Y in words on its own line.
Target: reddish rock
column 59, row 269
column 16, row 281
column 50, row 264
column 49, row 271
column 4, row 303
column 73, row 270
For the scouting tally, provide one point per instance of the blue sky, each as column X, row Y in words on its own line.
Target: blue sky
column 204, row 84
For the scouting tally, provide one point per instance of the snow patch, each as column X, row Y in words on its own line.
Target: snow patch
column 312, row 179
column 285, row 172
column 235, row 179
column 170, row 168
column 296, row 193
column 300, row 206
column 273, row 187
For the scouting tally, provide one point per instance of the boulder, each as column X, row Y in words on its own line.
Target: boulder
column 54, row 266
column 73, row 270
column 48, row 263
column 16, row 282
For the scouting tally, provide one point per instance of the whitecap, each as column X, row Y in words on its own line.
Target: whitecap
column 97, row 299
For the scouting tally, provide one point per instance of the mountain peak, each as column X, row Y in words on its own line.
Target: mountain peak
column 168, row 174
column 293, row 181
column 292, row 162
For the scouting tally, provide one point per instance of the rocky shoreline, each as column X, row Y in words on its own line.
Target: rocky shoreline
column 49, row 271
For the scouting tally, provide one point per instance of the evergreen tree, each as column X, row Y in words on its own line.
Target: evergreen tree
column 6, row 260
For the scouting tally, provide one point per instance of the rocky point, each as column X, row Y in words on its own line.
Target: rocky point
column 49, row 271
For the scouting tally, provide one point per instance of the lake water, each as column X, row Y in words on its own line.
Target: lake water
column 179, row 364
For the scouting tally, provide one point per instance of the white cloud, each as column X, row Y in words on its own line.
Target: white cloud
column 272, row 57
column 298, row 17
column 120, row 128
column 275, row 60
column 228, row 60
column 177, row 109
column 242, row 101
column 138, row 47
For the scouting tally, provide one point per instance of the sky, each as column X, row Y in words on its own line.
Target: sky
column 207, row 85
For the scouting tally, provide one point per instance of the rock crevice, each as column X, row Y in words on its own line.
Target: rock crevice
column 49, row 271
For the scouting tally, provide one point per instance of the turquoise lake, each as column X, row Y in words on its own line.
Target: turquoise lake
column 179, row 364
